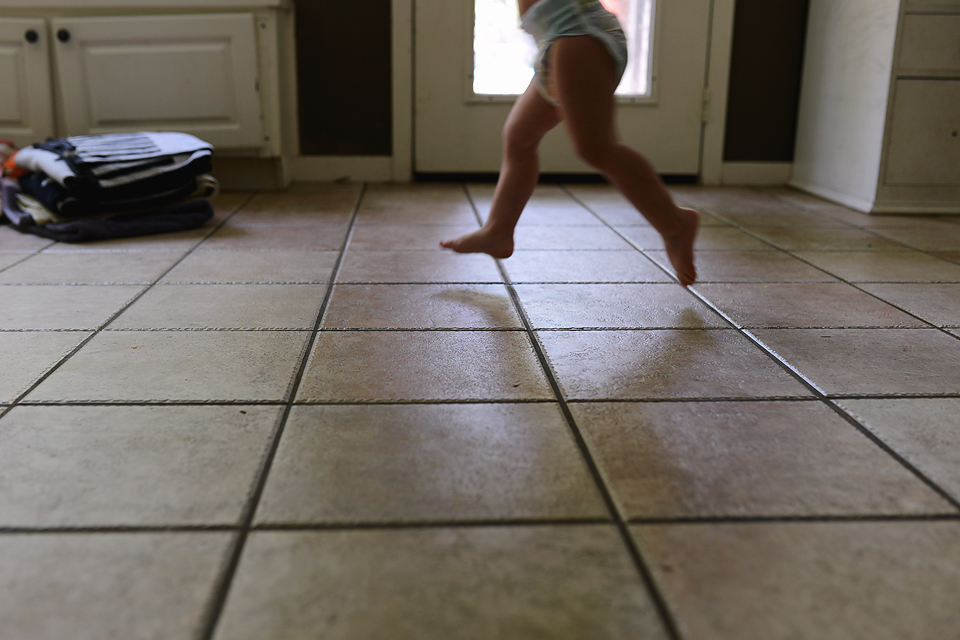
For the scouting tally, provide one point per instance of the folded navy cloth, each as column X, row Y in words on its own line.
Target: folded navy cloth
column 178, row 217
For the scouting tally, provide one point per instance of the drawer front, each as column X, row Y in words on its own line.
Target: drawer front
column 930, row 44
column 924, row 145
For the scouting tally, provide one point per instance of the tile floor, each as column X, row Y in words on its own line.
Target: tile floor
column 306, row 421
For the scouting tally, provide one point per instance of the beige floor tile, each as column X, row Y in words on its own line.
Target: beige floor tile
column 405, row 237
column 675, row 364
column 607, row 203
column 416, row 204
column 177, row 242
column 419, row 463
column 399, row 306
column 54, row 307
column 825, row 580
column 417, row 267
column 554, row 238
column 13, row 240
column 746, row 459
column 831, row 304
column 708, row 239
column 870, row 361
column 130, row 466
column 436, row 365
column 750, row 266
column 943, row 237
column 935, row 303
column 732, row 199
column 925, row 431
column 826, row 239
column 583, row 266
column 254, row 267
column 439, row 584
column 787, row 217
column 952, row 256
column 620, row 306
column 91, row 268
column 113, row 585
column 224, row 306
column 301, row 203
column 28, row 355
column 413, row 195
column 10, row 259
column 887, row 266
column 550, row 205
column 322, row 236
column 132, row 366
column 228, row 203
column 318, row 220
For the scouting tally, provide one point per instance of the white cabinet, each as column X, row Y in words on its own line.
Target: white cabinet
column 879, row 126
column 26, row 105
column 213, row 75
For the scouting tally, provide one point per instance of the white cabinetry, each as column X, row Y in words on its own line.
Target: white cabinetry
column 79, row 68
column 879, row 126
column 26, row 105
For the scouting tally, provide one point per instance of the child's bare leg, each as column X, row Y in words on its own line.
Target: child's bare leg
column 530, row 119
column 585, row 87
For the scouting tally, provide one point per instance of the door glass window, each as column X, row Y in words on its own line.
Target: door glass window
column 503, row 54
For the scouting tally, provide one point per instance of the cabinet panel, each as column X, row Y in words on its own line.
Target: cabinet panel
column 931, row 44
column 925, row 134
column 26, row 113
column 196, row 74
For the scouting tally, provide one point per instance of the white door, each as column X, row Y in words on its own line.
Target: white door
column 26, row 104
column 457, row 128
column 193, row 73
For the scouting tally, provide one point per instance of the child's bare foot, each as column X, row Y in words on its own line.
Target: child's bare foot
column 680, row 247
column 482, row 240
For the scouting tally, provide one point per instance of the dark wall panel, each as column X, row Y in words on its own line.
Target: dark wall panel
column 344, row 77
column 765, row 72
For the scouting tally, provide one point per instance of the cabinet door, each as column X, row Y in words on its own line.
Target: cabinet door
column 924, row 145
column 26, row 107
column 191, row 73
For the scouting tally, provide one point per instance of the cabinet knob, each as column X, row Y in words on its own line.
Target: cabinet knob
column 31, row 36
column 63, row 35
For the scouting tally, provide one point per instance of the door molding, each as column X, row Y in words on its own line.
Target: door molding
column 717, row 89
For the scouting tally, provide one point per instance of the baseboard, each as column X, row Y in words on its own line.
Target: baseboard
column 756, row 173
column 845, row 199
column 916, row 208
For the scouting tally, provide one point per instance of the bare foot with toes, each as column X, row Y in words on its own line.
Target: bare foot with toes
column 680, row 247
column 482, row 240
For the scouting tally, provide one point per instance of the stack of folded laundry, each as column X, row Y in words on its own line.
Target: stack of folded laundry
column 108, row 186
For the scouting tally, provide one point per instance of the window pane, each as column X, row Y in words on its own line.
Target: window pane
column 504, row 54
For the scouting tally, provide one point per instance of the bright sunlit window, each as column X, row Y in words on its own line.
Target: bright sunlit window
column 503, row 54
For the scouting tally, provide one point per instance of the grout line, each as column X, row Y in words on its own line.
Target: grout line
column 214, row 609
column 102, row 327
column 646, row 577
column 463, row 524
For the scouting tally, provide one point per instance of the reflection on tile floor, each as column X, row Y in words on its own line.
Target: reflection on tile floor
column 305, row 420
